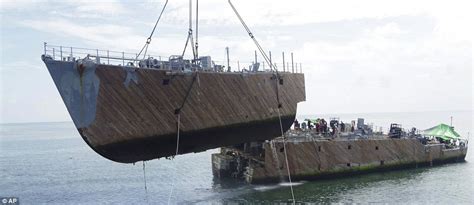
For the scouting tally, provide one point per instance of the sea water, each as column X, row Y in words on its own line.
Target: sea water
column 49, row 163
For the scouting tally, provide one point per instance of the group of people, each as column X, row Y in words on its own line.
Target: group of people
column 320, row 126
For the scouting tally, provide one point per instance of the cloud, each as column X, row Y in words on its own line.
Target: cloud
column 402, row 65
column 17, row 4
column 452, row 17
column 358, row 56
column 103, row 7
column 20, row 65
column 113, row 36
column 76, row 9
column 387, row 30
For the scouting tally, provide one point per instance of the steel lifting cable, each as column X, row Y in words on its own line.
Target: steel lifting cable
column 148, row 40
column 177, row 111
column 145, row 47
column 176, row 153
column 144, row 179
column 260, row 49
column 286, row 158
column 284, row 140
column 178, row 122
column 272, row 67
column 197, row 31
column 190, row 32
column 190, row 38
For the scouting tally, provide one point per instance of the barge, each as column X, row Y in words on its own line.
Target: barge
column 313, row 155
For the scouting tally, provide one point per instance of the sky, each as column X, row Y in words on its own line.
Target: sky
column 358, row 56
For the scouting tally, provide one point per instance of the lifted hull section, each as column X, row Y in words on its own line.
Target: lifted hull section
column 127, row 114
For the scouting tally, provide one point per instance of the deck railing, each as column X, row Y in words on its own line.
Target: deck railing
column 65, row 53
column 108, row 57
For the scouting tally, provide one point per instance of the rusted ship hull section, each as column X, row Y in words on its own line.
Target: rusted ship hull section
column 322, row 159
column 127, row 114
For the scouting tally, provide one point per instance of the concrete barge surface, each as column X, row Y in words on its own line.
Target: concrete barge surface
column 311, row 158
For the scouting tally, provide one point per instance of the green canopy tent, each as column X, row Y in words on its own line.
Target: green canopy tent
column 442, row 131
column 311, row 120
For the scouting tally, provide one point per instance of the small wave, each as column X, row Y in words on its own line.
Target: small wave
column 293, row 183
column 266, row 188
column 282, row 184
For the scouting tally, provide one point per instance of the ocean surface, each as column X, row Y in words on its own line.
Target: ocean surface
column 49, row 163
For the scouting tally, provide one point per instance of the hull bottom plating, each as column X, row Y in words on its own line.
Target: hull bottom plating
column 161, row 146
